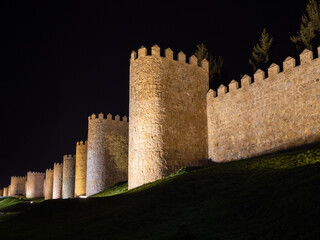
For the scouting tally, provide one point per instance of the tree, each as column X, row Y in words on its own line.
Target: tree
column 215, row 63
column 260, row 56
column 309, row 27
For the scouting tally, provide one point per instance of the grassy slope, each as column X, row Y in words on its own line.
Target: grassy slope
column 270, row 197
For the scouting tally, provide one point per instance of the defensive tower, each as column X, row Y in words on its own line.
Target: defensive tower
column 102, row 170
column 1, row 192
column 48, row 184
column 9, row 191
column 34, row 184
column 18, row 185
column 81, row 168
column 57, row 180
column 5, row 191
column 167, row 111
column 69, row 164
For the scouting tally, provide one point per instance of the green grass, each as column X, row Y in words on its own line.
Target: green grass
column 270, row 197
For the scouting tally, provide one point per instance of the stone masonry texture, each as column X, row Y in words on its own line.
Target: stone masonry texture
column 1, row 192
column 18, row 185
column 168, row 114
column 48, row 184
column 34, row 184
column 57, row 180
column 68, row 182
column 81, row 168
column 268, row 115
column 102, row 171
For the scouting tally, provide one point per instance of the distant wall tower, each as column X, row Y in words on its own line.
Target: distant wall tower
column 1, row 192
column 18, row 185
column 5, row 191
column 102, row 170
column 57, row 180
column 34, row 184
column 69, row 164
column 81, row 168
column 48, row 184
column 9, row 191
column 167, row 112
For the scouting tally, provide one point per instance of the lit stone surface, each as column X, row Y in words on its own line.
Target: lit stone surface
column 5, row 191
column 34, row 184
column 18, row 185
column 272, row 114
column 102, row 171
column 48, row 184
column 168, row 123
column 57, row 180
column 1, row 192
column 9, row 192
column 68, row 182
column 81, row 168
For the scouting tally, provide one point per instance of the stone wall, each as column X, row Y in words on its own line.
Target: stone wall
column 5, row 191
column 102, row 170
column 1, row 192
column 168, row 122
column 69, row 164
column 270, row 114
column 81, row 168
column 9, row 191
column 34, row 184
column 18, row 185
column 57, row 180
column 48, row 184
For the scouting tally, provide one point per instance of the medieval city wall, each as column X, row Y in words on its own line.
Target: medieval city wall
column 102, row 169
column 9, row 191
column 81, row 168
column 1, row 192
column 68, row 176
column 48, row 184
column 168, row 123
column 270, row 114
column 34, row 184
column 5, row 191
column 18, row 185
column 57, row 180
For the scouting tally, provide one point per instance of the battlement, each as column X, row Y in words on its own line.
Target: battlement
column 58, row 164
column 69, row 156
column 109, row 117
column 168, row 54
column 49, row 170
column 82, row 143
column 35, row 173
column 289, row 64
column 19, row 177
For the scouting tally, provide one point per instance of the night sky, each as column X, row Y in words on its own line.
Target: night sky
column 61, row 63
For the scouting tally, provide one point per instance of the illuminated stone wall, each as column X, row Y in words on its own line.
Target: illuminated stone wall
column 68, row 176
column 18, row 185
column 5, row 191
column 168, row 122
column 48, row 184
column 34, row 184
column 102, row 170
column 57, row 180
column 9, row 192
column 81, row 168
column 270, row 114
column 1, row 192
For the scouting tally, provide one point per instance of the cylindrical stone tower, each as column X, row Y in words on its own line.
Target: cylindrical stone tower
column 1, row 192
column 68, row 182
column 9, row 191
column 18, row 185
column 102, row 168
column 34, row 185
column 5, row 191
column 168, row 114
column 48, row 184
column 81, row 168
column 57, row 180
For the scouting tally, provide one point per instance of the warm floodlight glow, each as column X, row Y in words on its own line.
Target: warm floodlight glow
column 82, row 196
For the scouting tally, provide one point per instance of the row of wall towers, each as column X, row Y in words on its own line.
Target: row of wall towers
column 176, row 121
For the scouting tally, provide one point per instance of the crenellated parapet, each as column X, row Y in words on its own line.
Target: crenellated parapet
column 167, row 128
column 266, row 113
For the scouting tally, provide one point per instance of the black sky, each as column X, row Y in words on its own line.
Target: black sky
column 62, row 62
